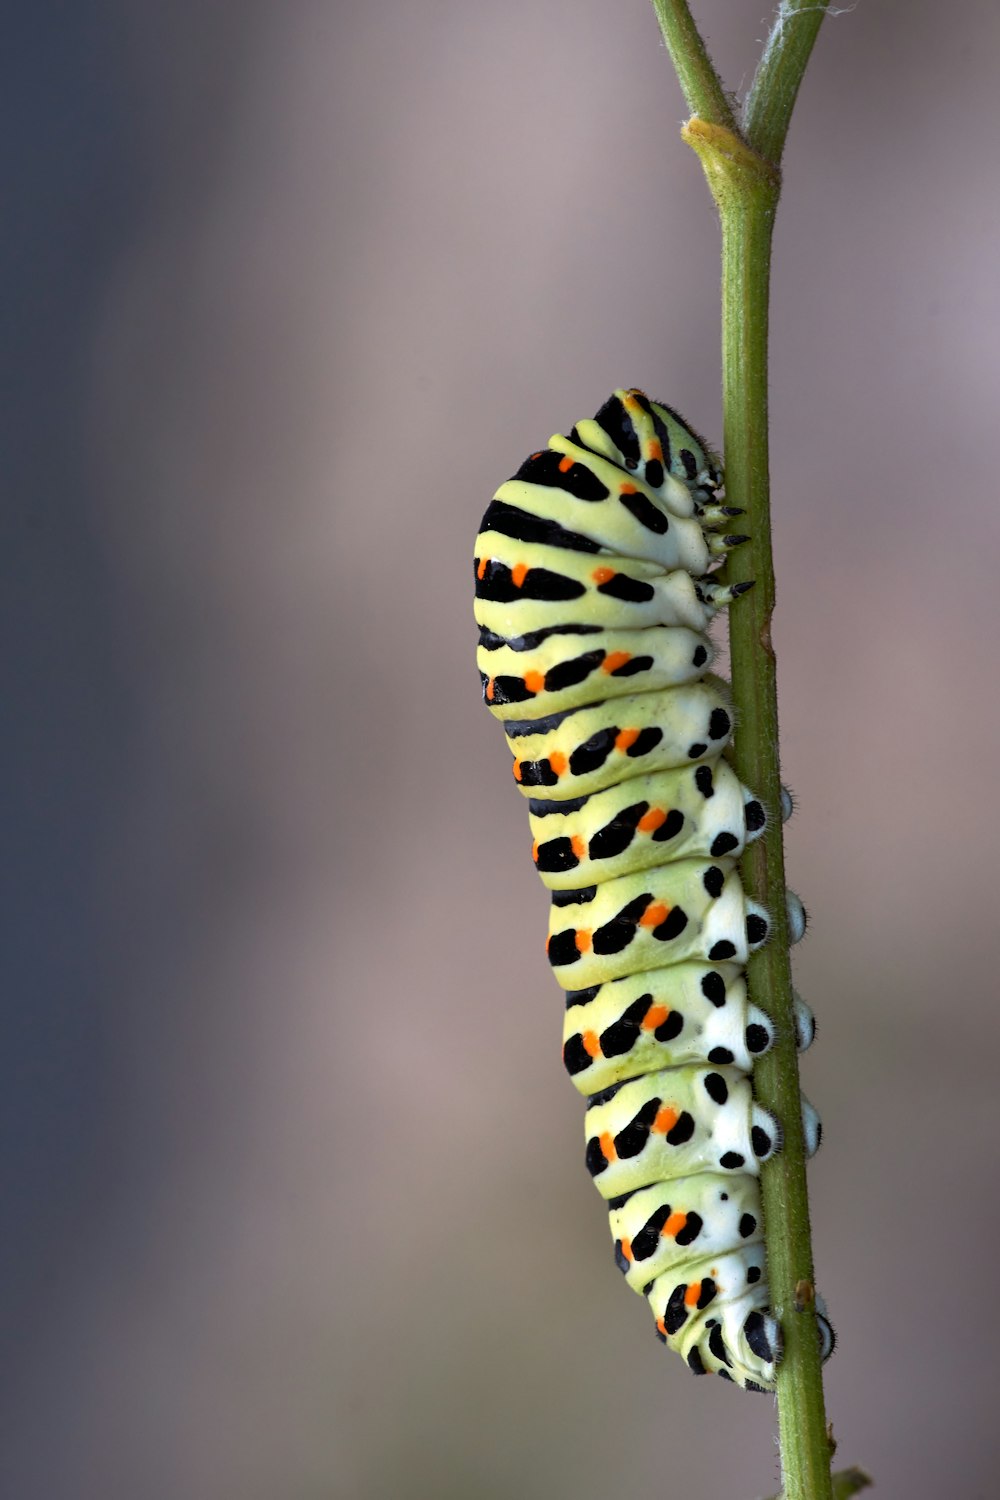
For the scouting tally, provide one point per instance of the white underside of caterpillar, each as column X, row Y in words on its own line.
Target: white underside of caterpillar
column 594, row 595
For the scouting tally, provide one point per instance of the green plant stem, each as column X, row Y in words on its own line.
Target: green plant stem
column 846, row 1482
column 776, row 82
column 702, row 89
column 746, row 188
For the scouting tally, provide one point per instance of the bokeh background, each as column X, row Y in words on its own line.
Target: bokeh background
column 293, row 1187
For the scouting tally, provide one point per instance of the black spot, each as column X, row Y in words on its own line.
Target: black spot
column 755, row 1330
column 654, row 473
column 603, row 1095
column 724, row 1375
column 578, row 480
column 717, row 1345
column 756, row 928
column 716, row 1087
column 616, row 935
column 630, row 590
column 689, row 461
column 592, row 754
column 753, row 1274
column 703, row 781
column 676, row 1312
column 645, row 512
column 575, row 1055
column 721, row 950
column 670, row 827
column 674, row 924
column 695, row 750
column 621, row 1200
column 618, row 425
column 713, row 987
column 621, row 1259
column 645, row 1292
column 522, row 526
column 614, row 838
column 723, row 843
column 647, row 740
column 713, row 880
column 645, row 1242
column 562, row 948
column 691, row 1230
column 708, row 1291
column 682, row 1131
column 754, row 815
column 671, row 1027
column 719, row 724
column 555, row 855
column 700, row 656
column 596, row 1160
column 632, row 667
column 497, row 585
column 731, row 1160
column 747, row 1225
column 567, row 674
column 720, row 1055
column 757, row 1038
column 537, row 773
column 621, row 1036
column 761, row 1141
column 661, row 1336
column 632, row 1139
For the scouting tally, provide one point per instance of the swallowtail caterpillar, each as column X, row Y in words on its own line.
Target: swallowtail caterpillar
column 594, row 592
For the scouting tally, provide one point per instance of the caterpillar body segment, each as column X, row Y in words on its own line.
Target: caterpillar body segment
column 594, row 594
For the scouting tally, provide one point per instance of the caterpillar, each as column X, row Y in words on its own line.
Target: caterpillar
column 595, row 586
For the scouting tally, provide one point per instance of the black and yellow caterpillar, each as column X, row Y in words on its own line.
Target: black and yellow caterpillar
column 593, row 597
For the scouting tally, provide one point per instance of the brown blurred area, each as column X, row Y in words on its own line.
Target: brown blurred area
column 294, row 1187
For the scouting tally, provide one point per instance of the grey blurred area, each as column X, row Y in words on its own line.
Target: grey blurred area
column 293, row 1187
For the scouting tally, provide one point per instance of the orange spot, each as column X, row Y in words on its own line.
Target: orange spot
column 565, row 464
column 583, row 937
column 534, row 682
column 651, row 821
column 591, row 1043
column 518, row 573
column 484, row 563
column 516, row 768
column 629, row 400
column 625, row 738
column 536, row 455
column 558, row 762
column 607, row 1141
column 614, row 660
column 674, row 1225
column 578, row 846
column 599, row 575
column 628, row 489
column 655, row 1016
column 666, row 1119
column 627, row 1249
column 659, row 1324
column 655, row 451
column 534, row 851
column 490, row 689
column 654, row 915
column 692, row 1294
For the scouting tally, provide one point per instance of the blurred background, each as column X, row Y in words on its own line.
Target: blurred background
column 292, row 1176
